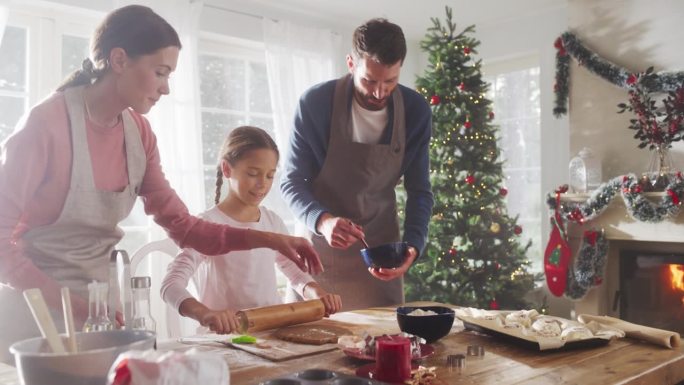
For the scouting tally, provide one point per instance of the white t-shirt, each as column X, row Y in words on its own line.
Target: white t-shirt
column 237, row 280
column 367, row 125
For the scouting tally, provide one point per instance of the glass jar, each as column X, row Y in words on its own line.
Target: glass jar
column 142, row 318
column 585, row 171
column 98, row 319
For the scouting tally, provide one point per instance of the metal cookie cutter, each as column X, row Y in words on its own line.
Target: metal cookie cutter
column 476, row 351
column 456, row 362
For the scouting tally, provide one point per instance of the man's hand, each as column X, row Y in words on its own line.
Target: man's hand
column 386, row 274
column 340, row 233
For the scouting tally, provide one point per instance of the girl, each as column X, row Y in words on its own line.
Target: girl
column 240, row 279
column 75, row 165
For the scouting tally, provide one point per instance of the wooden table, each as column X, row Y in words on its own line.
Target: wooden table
column 622, row 361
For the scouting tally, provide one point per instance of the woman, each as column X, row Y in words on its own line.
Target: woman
column 76, row 163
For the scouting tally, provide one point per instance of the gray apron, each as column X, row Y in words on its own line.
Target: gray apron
column 357, row 181
column 74, row 250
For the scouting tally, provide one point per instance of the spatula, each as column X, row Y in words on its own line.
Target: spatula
column 36, row 302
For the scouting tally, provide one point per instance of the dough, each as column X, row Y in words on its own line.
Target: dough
column 312, row 334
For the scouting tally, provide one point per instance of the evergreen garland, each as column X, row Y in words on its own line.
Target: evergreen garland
column 569, row 45
column 638, row 206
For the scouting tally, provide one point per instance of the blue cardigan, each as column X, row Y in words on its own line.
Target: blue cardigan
column 307, row 150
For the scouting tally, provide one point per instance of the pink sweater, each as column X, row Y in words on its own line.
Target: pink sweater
column 35, row 174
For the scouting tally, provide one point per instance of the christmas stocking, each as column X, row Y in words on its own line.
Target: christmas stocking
column 557, row 258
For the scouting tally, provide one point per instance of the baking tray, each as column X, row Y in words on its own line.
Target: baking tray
column 320, row 377
column 586, row 343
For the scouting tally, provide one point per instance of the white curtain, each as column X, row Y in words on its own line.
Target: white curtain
column 4, row 13
column 297, row 57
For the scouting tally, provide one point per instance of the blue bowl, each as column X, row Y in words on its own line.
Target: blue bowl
column 388, row 255
column 430, row 327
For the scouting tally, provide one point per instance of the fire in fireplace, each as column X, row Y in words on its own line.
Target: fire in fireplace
column 652, row 289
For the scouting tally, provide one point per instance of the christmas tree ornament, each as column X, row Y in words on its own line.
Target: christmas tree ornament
column 517, row 229
column 490, row 115
column 466, row 50
column 452, row 251
column 435, row 100
column 470, row 179
column 503, row 191
column 462, row 86
column 467, row 124
column 495, row 228
column 494, row 305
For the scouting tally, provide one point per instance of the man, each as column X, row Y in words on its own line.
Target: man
column 353, row 140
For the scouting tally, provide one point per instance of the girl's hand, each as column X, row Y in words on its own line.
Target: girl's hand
column 218, row 321
column 332, row 302
column 221, row 321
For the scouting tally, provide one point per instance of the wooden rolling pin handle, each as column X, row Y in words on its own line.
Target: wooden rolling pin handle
column 272, row 317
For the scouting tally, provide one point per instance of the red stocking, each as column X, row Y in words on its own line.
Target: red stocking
column 557, row 255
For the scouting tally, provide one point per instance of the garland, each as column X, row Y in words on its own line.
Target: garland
column 569, row 45
column 638, row 206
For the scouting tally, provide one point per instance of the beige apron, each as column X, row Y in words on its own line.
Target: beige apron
column 74, row 250
column 357, row 181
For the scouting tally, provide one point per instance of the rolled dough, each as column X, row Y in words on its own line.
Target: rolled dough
column 312, row 334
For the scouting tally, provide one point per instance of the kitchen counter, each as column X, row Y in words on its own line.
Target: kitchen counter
column 622, row 361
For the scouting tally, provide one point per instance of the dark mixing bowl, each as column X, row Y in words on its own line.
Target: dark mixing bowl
column 430, row 327
column 388, row 255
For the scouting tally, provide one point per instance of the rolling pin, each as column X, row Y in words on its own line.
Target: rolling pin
column 276, row 316
column 660, row 337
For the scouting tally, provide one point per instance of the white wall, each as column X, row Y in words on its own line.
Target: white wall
column 633, row 34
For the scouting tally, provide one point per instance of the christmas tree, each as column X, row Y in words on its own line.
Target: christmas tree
column 474, row 255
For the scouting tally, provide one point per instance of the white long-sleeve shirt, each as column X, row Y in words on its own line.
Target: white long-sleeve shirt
column 237, row 280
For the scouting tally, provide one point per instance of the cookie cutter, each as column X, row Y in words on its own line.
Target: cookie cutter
column 476, row 351
column 456, row 362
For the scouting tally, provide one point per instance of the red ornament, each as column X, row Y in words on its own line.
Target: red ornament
column 452, row 252
column 558, row 44
column 467, row 124
column 491, row 115
column 503, row 192
column 461, row 86
column 517, row 230
column 637, row 189
column 673, row 195
column 631, row 79
column 494, row 305
column 470, row 179
column 466, row 50
column 497, row 265
column 435, row 100
column 679, row 175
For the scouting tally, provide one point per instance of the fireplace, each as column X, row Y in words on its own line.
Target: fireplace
column 644, row 261
column 652, row 289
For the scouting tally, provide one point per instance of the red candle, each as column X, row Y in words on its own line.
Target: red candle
column 392, row 359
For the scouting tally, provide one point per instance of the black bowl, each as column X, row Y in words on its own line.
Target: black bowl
column 430, row 327
column 388, row 255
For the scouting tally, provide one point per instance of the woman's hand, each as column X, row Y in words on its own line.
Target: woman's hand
column 297, row 249
column 218, row 321
column 332, row 302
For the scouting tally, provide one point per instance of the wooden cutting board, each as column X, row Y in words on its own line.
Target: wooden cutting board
column 274, row 349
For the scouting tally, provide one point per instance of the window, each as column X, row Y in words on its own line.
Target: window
column 34, row 36
column 515, row 94
column 234, row 92
column 13, row 78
